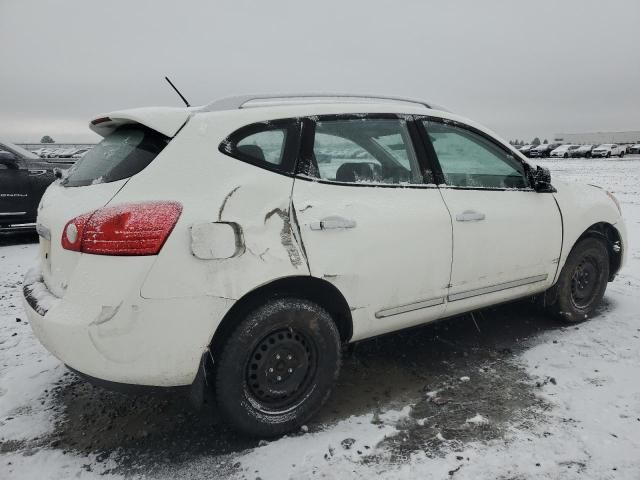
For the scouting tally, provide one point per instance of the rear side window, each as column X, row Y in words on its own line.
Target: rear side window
column 272, row 145
column 121, row 154
column 267, row 146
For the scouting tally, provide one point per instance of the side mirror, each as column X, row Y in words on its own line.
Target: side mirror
column 540, row 179
column 9, row 159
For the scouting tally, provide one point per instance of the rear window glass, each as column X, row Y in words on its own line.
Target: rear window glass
column 121, row 154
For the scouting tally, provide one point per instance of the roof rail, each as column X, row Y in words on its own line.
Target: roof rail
column 241, row 101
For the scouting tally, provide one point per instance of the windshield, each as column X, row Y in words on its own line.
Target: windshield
column 121, row 154
column 8, row 146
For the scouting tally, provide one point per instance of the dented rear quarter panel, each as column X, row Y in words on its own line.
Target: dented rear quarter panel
column 214, row 187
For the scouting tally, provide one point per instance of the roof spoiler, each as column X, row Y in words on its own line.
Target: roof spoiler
column 165, row 120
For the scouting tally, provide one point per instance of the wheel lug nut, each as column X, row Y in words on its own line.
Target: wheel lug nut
column 278, row 378
column 290, row 370
column 289, row 357
column 277, row 357
column 271, row 370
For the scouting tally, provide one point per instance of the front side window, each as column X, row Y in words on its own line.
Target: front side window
column 468, row 159
column 365, row 151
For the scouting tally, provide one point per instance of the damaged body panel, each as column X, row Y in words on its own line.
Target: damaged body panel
column 333, row 220
column 248, row 204
column 381, row 247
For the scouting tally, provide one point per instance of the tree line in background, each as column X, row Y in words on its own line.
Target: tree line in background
column 519, row 143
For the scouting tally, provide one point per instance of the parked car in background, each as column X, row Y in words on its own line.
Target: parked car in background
column 543, row 150
column 79, row 153
column 563, row 151
column 608, row 150
column 66, row 152
column 526, row 149
column 236, row 261
column 634, row 148
column 43, row 152
column 583, row 151
column 24, row 177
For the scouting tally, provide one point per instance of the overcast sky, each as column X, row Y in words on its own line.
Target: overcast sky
column 522, row 68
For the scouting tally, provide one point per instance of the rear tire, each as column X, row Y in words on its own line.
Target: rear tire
column 277, row 367
column 582, row 283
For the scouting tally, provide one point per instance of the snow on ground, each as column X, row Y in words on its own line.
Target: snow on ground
column 521, row 398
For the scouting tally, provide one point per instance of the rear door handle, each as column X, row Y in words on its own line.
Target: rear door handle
column 470, row 216
column 332, row 222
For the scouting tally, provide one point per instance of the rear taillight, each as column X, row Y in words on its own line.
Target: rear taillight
column 125, row 229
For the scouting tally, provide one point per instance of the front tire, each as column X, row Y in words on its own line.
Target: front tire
column 277, row 367
column 582, row 283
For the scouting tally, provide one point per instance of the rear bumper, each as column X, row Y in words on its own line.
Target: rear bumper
column 109, row 332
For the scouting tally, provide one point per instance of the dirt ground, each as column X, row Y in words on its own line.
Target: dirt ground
column 448, row 371
column 504, row 393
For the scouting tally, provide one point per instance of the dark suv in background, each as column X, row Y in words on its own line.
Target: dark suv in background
column 24, row 176
column 543, row 150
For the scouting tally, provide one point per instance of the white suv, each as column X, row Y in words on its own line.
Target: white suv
column 240, row 244
column 564, row 151
column 608, row 150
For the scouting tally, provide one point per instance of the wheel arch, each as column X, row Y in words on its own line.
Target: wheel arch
column 613, row 240
column 311, row 288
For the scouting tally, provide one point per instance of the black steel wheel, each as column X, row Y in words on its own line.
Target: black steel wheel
column 280, row 368
column 582, row 282
column 277, row 367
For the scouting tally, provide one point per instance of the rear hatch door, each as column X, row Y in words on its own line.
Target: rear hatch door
column 132, row 140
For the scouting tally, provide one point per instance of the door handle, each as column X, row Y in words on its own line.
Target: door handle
column 470, row 216
column 35, row 173
column 332, row 222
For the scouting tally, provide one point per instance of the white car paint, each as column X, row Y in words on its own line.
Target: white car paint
column 399, row 255
column 563, row 151
column 391, row 241
column 608, row 150
column 498, row 250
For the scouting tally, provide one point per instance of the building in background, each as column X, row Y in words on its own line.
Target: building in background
column 597, row 138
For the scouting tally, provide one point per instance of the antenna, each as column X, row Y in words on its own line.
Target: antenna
column 177, row 91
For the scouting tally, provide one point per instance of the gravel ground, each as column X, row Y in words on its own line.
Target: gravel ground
column 505, row 393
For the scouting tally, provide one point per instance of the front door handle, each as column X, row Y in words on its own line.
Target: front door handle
column 332, row 222
column 470, row 216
